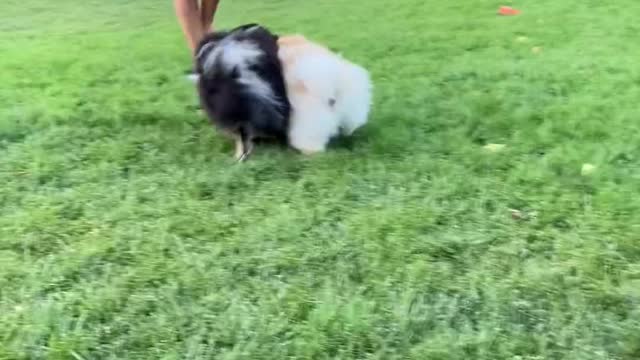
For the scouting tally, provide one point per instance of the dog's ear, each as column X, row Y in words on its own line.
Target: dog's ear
column 210, row 40
column 215, row 36
column 203, row 49
column 200, row 57
column 246, row 27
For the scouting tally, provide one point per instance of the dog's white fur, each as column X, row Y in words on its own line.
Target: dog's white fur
column 329, row 95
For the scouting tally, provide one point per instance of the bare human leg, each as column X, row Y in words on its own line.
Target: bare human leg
column 189, row 18
column 208, row 10
column 195, row 20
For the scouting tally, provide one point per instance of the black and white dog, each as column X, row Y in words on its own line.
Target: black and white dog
column 241, row 85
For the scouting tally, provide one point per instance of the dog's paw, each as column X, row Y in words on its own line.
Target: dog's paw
column 242, row 157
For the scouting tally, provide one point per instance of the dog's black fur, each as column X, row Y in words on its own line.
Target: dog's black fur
column 233, row 106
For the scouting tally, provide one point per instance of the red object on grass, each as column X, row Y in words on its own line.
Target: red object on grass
column 508, row 11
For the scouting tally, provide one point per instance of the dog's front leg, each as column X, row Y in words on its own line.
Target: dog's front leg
column 244, row 145
column 239, row 149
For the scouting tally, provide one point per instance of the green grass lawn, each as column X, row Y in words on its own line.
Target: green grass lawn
column 128, row 232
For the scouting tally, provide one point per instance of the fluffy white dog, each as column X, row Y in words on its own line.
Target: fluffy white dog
column 329, row 95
